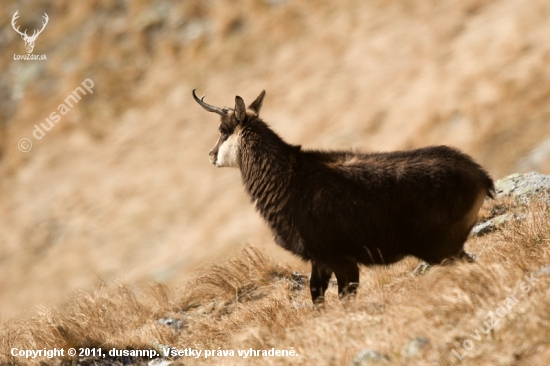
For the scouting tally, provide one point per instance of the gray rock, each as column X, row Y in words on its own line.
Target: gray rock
column 521, row 187
column 524, row 186
column 490, row 225
column 414, row 346
column 160, row 348
column 370, row 357
column 175, row 324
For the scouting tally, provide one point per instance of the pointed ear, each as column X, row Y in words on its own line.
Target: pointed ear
column 240, row 109
column 257, row 104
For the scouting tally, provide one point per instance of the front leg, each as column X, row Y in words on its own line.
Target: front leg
column 318, row 284
column 347, row 274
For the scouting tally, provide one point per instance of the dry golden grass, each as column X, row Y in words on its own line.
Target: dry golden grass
column 251, row 302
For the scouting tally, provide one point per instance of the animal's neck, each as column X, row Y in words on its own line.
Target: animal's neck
column 267, row 167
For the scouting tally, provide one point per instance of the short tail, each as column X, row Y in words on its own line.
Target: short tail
column 489, row 186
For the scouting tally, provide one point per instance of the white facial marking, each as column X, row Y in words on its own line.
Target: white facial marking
column 228, row 152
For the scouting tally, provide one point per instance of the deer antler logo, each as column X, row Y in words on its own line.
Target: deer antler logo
column 29, row 41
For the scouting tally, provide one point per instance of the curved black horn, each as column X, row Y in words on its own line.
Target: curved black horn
column 208, row 107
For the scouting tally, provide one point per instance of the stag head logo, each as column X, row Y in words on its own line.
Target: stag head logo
column 29, row 40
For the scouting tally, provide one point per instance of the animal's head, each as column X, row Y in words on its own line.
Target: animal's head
column 227, row 151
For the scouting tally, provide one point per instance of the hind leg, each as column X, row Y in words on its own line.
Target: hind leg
column 447, row 245
column 461, row 231
column 318, row 284
column 457, row 252
column 451, row 252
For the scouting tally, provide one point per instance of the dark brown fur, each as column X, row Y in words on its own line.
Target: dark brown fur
column 339, row 209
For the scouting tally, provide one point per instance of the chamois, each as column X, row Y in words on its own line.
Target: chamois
column 339, row 209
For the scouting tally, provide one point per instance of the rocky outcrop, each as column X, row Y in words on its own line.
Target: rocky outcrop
column 521, row 188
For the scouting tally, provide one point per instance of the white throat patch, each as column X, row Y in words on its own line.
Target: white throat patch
column 228, row 152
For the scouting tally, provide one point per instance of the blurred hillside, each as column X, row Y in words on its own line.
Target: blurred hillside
column 121, row 186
